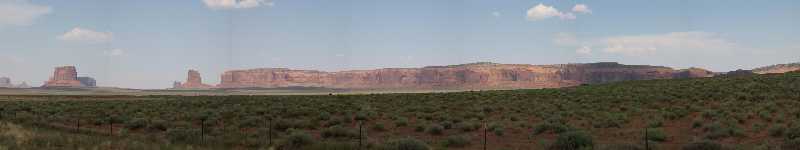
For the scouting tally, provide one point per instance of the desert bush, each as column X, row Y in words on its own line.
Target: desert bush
column 419, row 128
column 404, row 144
column 703, row 145
column 182, row 135
column 435, row 129
column 338, row 132
column 548, row 126
column 157, row 125
column 499, row 131
column 468, row 126
column 298, row 139
column 456, row 141
column 625, row 146
column 572, row 140
column 656, row 135
column 136, row 123
column 776, row 130
column 379, row 127
column 401, row 122
column 793, row 132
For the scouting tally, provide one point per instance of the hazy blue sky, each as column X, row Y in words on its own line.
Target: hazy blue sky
column 149, row 43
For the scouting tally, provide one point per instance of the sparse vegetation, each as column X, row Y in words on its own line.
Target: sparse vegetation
column 714, row 111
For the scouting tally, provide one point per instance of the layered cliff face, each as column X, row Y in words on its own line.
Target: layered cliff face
column 193, row 81
column 65, row 76
column 780, row 68
column 467, row 76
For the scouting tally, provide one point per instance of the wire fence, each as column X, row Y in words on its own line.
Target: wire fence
column 203, row 133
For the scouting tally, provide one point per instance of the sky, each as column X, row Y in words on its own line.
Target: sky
column 151, row 43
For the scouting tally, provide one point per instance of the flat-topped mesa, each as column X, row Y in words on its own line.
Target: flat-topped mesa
column 193, row 81
column 779, row 68
column 466, row 76
column 5, row 82
column 65, row 76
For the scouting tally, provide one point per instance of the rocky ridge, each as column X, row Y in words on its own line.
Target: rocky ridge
column 466, row 76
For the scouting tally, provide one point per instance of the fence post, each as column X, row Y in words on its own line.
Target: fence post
column 270, row 131
column 202, row 130
column 360, row 125
column 485, row 139
column 77, row 125
column 110, row 126
column 646, row 142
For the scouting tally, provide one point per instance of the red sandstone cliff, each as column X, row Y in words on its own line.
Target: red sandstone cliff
column 467, row 76
column 65, row 76
column 193, row 81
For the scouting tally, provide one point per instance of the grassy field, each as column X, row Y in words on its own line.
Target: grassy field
column 747, row 112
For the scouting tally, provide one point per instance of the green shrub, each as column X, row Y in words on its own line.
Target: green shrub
column 182, row 135
column 625, row 146
column 793, row 132
column 298, row 139
column 404, row 144
column 547, row 126
column 324, row 116
column 136, row 123
column 157, row 125
column 401, row 122
column 776, row 130
column 656, row 135
column 419, row 128
column 456, row 141
column 435, row 129
column 791, row 144
column 499, row 131
column 703, row 145
column 338, row 132
column 379, row 127
column 572, row 140
column 468, row 126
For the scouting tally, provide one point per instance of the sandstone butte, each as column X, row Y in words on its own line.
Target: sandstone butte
column 779, row 68
column 65, row 76
column 474, row 76
column 193, row 81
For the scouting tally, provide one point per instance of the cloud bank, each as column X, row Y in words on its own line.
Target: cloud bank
column 640, row 45
column 20, row 12
column 79, row 34
column 237, row 4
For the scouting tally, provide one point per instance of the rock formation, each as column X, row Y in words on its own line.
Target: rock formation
column 466, row 76
column 193, row 81
column 780, row 68
column 23, row 85
column 5, row 82
column 87, row 81
column 65, row 76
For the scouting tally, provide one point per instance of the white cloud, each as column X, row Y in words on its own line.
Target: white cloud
column 582, row 8
column 237, row 4
column 115, row 52
column 638, row 45
column 87, row 35
column 648, row 44
column 541, row 12
column 496, row 14
column 20, row 12
column 584, row 50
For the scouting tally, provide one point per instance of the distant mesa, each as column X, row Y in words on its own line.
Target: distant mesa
column 474, row 76
column 67, row 76
column 5, row 82
column 779, row 68
column 193, row 81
